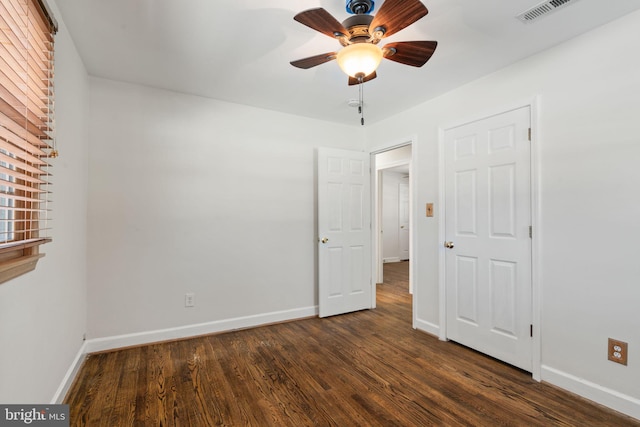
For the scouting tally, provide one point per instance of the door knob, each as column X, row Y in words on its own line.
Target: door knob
column 324, row 240
column 448, row 245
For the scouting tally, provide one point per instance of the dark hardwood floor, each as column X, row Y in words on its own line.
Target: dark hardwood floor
column 368, row 368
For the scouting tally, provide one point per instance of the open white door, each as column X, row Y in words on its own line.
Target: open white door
column 344, row 232
column 488, row 219
column 403, row 220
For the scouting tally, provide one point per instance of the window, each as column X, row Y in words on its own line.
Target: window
column 26, row 132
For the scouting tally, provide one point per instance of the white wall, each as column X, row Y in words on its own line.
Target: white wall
column 588, row 149
column 391, row 251
column 189, row 194
column 43, row 313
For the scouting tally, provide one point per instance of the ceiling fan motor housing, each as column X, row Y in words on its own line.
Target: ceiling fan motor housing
column 358, row 27
column 359, row 7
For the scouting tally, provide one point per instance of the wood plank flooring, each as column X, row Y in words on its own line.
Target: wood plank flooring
column 368, row 368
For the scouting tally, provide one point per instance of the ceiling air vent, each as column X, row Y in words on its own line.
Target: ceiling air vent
column 543, row 9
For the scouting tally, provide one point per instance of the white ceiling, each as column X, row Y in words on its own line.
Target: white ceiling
column 239, row 50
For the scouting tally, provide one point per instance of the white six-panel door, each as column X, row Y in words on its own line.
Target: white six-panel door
column 487, row 226
column 344, row 232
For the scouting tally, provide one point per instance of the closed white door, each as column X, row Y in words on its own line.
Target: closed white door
column 488, row 244
column 403, row 220
column 344, row 232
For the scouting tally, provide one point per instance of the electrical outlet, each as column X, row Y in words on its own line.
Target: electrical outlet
column 189, row 299
column 618, row 351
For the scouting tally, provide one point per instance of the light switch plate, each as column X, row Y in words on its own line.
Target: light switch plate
column 429, row 209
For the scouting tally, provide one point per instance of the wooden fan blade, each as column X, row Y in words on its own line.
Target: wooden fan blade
column 415, row 54
column 312, row 61
column 354, row 81
column 395, row 15
column 322, row 21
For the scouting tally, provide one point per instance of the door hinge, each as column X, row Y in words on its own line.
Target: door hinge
column 531, row 331
column 529, row 135
column 531, row 232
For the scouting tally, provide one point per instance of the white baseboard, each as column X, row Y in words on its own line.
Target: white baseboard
column 119, row 341
column 67, row 381
column 611, row 398
column 428, row 327
column 112, row 343
column 392, row 259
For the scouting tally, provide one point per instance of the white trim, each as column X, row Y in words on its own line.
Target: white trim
column 378, row 261
column 536, row 297
column 376, row 254
column 398, row 143
column 70, row 376
column 392, row 165
column 226, row 325
column 490, row 112
column 413, row 226
column 428, row 327
column 442, row 289
column 392, row 259
column 605, row 396
column 536, row 213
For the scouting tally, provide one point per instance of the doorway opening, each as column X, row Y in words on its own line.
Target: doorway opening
column 393, row 208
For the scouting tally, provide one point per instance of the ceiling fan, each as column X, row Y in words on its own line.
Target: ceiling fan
column 360, row 34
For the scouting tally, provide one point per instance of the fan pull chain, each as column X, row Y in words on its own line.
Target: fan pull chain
column 361, row 100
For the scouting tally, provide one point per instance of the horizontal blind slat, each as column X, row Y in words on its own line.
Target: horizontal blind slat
column 17, row 197
column 15, row 140
column 20, row 165
column 18, row 152
column 37, row 210
column 14, row 127
column 14, row 21
column 15, row 186
column 21, row 176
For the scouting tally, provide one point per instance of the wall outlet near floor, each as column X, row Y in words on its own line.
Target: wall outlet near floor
column 617, row 351
column 189, row 299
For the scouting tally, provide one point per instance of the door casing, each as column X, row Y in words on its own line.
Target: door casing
column 375, row 209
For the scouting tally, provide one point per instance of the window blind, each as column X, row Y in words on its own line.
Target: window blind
column 27, row 32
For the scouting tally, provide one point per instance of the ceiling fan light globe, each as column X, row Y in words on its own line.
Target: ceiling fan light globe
column 359, row 59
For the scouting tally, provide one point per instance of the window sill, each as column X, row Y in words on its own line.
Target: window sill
column 20, row 260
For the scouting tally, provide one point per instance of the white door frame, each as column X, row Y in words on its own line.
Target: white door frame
column 376, row 217
column 532, row 103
